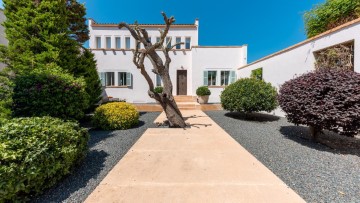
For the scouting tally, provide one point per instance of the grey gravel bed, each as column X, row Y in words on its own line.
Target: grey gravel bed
column 316, row 172
column 106, row 148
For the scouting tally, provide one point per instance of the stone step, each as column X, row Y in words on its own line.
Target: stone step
column 185, row 98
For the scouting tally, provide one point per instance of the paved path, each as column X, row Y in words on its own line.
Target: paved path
column 198, row 164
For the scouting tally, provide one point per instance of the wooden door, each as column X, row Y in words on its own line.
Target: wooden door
column 182, row 82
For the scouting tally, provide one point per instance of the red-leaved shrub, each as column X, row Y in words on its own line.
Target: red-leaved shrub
column 324, row 99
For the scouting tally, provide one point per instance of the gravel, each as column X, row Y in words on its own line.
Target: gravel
column 316, row 172
column 106, row 148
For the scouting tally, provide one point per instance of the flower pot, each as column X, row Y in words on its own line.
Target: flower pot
column 203, row 99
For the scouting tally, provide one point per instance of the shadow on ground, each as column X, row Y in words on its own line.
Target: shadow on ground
column 327, row 141
column 257, row 117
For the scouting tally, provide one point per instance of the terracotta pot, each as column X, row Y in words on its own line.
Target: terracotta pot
column 203, row 99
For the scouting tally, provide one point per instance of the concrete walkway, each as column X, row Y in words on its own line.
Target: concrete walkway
column 198, row 164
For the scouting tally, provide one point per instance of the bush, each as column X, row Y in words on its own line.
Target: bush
column 325, row 99
column 6, row 90
column 48, row 93
column 158, row 89
column 329, row 15
column 203, row 91
column 249, row 95
column 35, row 153
column 116, row 116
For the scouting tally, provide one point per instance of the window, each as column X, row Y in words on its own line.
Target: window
column 158, row 80
column 117, row 42
column 157, row 39
column 98, row 42
column 178, row 41
column 168, row 42
column 124, row 79
column 257, row 74
column 149, row 40
column 108, row 42
column 210, row 78
column 107, row 78
column 187, row 43
column 127, row 42
column 224, row 78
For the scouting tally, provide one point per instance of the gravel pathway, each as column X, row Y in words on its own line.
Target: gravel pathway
column 316, row 172
column 106, row 148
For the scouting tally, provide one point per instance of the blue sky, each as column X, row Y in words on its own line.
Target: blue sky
column 266, row 26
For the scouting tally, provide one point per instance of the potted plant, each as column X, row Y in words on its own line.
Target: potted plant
column 203, row 93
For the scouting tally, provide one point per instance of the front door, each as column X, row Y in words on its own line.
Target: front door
column 182, row 82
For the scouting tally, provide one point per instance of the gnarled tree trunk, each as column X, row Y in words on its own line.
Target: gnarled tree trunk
column 160, row 68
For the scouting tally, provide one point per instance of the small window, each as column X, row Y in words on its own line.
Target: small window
column 187, row 43
column 224, row 78
column 257, row 74
column 127, row 42
column 107, row 78
column 108, row 42
column 168, row 42
column 157, row 39
column 178, row 41
column 210, row 78
column 118, row 42
column 158, row 80
column 149, row 40
column 98, row 42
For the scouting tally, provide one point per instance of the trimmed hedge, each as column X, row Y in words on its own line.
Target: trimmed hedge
column 324, row 99
column 35, row 153
column 203, row 91
column 249, row 95
column 116, row 116
column 49, row 93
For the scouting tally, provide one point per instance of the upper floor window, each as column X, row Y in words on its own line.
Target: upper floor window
column 108, row 42
column 127, row 42
column 187, row 42
column 107, row 78
column 98, row 42
column 117, row 42
column 178, row 41
column 168, row 42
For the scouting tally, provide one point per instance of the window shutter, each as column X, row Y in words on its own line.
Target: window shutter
column 232, row 76
column 205, row 78
column 128, row 79
column 102, row 78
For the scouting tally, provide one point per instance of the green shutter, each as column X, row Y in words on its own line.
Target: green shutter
column 128, row 79
column 232, row 76
column 205, row 78
column 102, row 79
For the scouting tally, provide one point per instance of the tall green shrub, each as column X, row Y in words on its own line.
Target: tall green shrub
column 330, row 14
column 49, row 93
column 35, row 153
column 6, row 90
column 249, row 95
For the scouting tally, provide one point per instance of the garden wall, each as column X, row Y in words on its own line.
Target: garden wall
column 299, row 59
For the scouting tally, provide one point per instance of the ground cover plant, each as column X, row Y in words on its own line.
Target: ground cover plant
column 249, row 95
column 116, row 116
column 324, row 99
column 35, row 153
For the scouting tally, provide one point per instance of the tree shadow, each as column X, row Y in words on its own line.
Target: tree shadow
column 89, row 169
column 257, row 117
column 327, row 141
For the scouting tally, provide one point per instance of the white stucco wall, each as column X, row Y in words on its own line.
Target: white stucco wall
column 285, row 65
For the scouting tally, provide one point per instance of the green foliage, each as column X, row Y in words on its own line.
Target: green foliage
column 203, row 91
column 249, row 95
column 257, row 74
column 49, row 34
column 324, row 99
column 116, row 116
column 6, row 91
column 49, row 93
column 330, row 14
column 158, row 89
column 35, row 153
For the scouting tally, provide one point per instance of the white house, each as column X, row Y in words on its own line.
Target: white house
column 192, row 65
column 284, row 65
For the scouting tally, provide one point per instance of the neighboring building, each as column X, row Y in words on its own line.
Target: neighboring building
column 3, row 39
column 300, row 58
column 192, row 65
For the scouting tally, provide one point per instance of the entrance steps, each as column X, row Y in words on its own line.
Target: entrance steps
column 185, row 98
